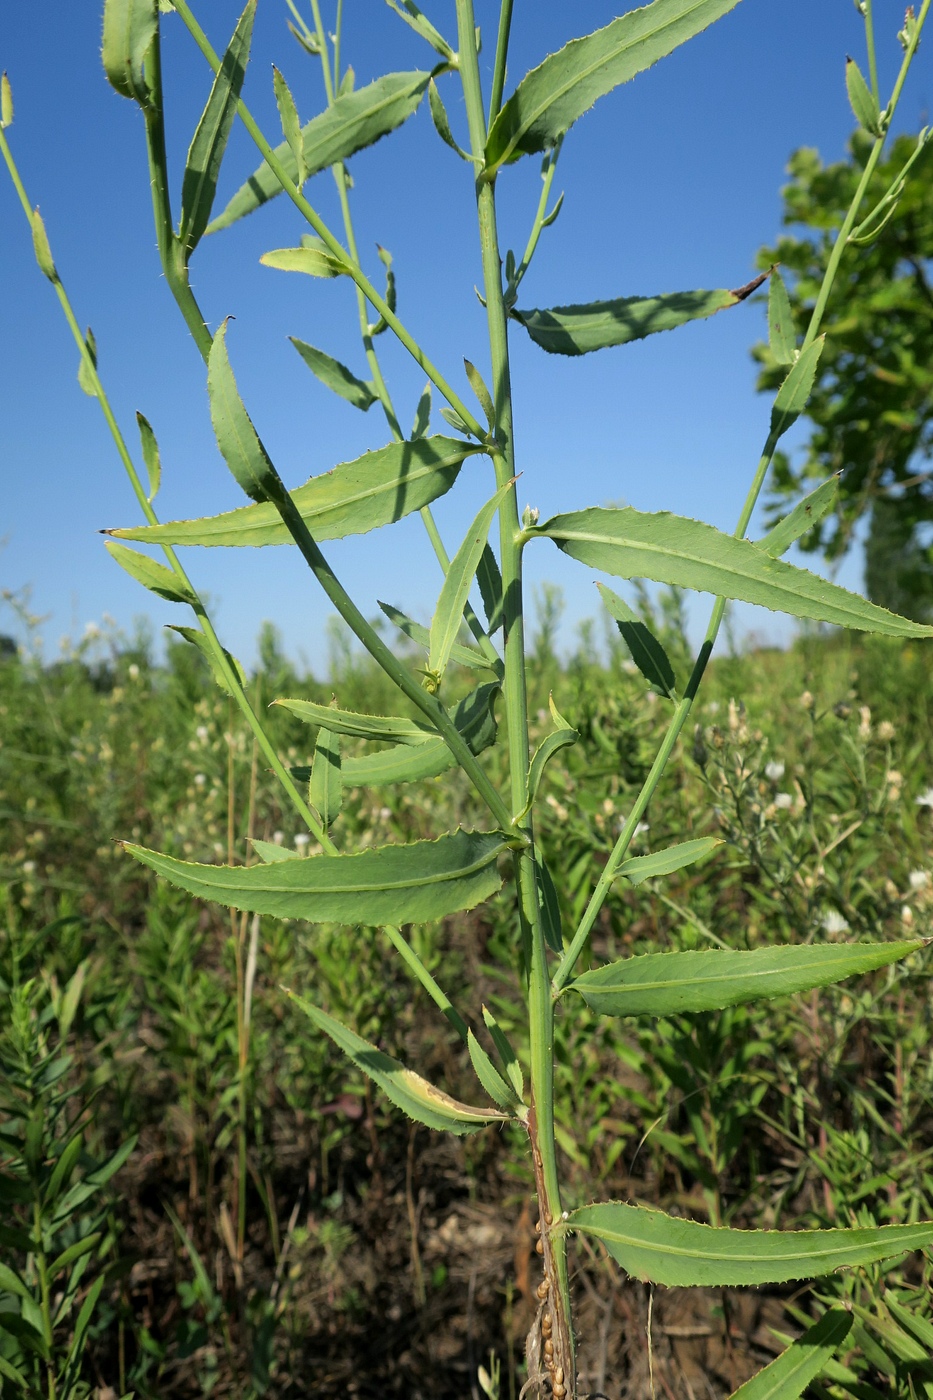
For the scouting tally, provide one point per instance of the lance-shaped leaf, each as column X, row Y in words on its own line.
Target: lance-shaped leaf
column 410, row 13
column 661, row 1249
column 448, row 615
column 562, row 738
column 672, row 549
column 498, row 1089
column 407, row 1090
column 151, row 456
column 209, row 142
column 782, row 338
column 552, row 96
column 665, row 984
column 129, row 29
column 377, row 727
column 271, row 854
column 489, row 578
column 355, row 120
column 335, row 376
column 6, row 102
column 506, row 1053
column 325, row 789
column 788, row 1376
column 291, row 126
column 377, row 489
column 575, row 330
column 198, row 639
column 237, row 439
column 807, row 513
column 404, row 763
column 639, row 868
column 151, row 574
column 442, row 122
column 794, row 393
column 463, row 655
column 314, row 259
column 415, row 883
column 646, row 651
column 862, row 100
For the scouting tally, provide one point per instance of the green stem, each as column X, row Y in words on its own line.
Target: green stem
column 200, row 612
column 682, row 711
column 870, row 46
column 502, row 51
column 540, row 1005
column 45, row 1304
column 416, row 966
column 541, row 215
column 332, row 243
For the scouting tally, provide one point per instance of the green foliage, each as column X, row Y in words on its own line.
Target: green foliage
column 576, row 330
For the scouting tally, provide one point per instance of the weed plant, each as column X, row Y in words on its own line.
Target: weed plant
column 573, row 843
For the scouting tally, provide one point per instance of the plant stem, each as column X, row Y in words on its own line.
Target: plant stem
column 417, row 967
column 333, row 244
column 502, row 51
column 682, row 710
column 200, row 612
column 870, row 46
column 540, row 1004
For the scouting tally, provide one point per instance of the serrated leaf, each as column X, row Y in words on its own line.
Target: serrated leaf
column 666, row 984
column 782, row 338
column 151, row 456
column 473, row 717
column 6, row 103
column 129, row 28
column 639, row 868
column 646, row 651
column 198, row 639
column 84, row 377
column 335, row 376
column 410, row 13
column 489, row 578
column 422, row 421
column 353, row 121
column 407, row 1090
column 206, row 152
column 484, row 397
column 239, row 443
column 326, row 787
column 862, row 100
column 448, row 615
column 807, row 513
column 463, row 655
column 550, row 98
column 415, row 883
column 672, row 549
column 41, row 247
column 788, row 1376
column 442, row 122
column 356, row 497
column 661, row 1249
column 576, row 330
column 291, row 126
column 794, row 393
column 315, row 262
column 151, row 574
column 498, row 1089
column 386, row 728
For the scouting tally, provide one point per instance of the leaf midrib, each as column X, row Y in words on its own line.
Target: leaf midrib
column 616, row 1236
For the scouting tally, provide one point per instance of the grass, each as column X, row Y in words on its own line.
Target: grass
column 380, row 1258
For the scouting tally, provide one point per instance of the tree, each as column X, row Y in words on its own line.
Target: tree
column 872, row 404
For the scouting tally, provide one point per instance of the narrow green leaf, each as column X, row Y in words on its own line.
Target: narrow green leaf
column 661, row 1249
column 550, row 98
column 326, row 787
column 463, row 655
column 198, row 639
column 542, row 755
column 489, row 578
column 862, row 100
column 665, row 984
column 807, row 513
column 73, row 1252
column 307, row 41
column 206, row 152
column 357, row 726
column 442, row 122
column 12, row 1282
column 315, row 261
column 270, row 854
column 102, row 1174
column 782, row 338
column 419, row 427
column 150, row 455
column 794, row 393
column 347, row 84
column 41, row 248
column 788, row 1376
column 506, row 1053
column 6, row 103
column 84, row 1317
column 356, row 497
column 672, row 549
column 84, row 377
column 877, row 218
column 13, row 1374
column 550, row 908
column 646, row 651
column 27, row 1334
column 575, row 330
column 454, row 419
column 291, row 126
column 335, row 376
column 484, row 397
column 151, row 574
column 473, row 717
column 911, row 1322
column 498, row 1089
column 129, row 28
column 61, row 1172
column 414, row 883
column 448, row 615
column 639, row 868
column 353, row 121
column 410, row 13
column 236, row 437
column 391, row 291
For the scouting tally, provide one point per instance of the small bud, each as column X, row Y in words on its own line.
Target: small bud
column 530, row 516
column 543, row 1289
column 40, row 242
column 539, row 1246
column 6, row 103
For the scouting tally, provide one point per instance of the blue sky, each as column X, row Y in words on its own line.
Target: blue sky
column 671, row 182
